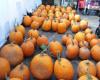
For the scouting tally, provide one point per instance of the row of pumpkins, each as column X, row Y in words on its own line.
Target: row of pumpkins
column 83, row 44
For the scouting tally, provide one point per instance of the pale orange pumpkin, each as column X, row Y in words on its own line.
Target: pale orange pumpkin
column 93, row 42
column 83, row 24
column 77, row 18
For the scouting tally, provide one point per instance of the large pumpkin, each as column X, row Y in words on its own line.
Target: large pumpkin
column 72, row 50
column 4, row 68
column 98, row 69
column 86, row 66
column 88, row 77
column 42, row 40
column 79, row 36
column 95, row 52
column 41, row 66
column 16, row 37
column 33, row 33
column 61, row 27
column 83, row 24
column 62, row 68
column 55, row 25
column 21, row 29
column 20, row 71
column 46, row 26
column 13, row 53
column 55, row 48
column 27, row 20
column 28, row 48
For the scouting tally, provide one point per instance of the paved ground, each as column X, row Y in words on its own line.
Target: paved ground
column 93, row 21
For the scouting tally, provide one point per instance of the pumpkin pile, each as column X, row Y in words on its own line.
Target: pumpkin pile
column 29, row 51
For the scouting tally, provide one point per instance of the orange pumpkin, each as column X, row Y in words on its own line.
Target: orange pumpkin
column 84, row 53
column 71, row 16
column 63, row 67
column 75, row 27
column 83, row 24
column 55, row 48
column 95, row 52
column 47, row 7
column 86, row 66
column 16, row 37
column 61, row 27
column 98, row 69
column 28, row 48
column 21, row 29
column 41, row 66
column 46, row 26
column 68, row 9
column 77, row 18
column 72, row 50
column 27, row 20
column 35, row 25
column 88, row 30
column 88, row 77
column 13, row 53
column 33, row 40
column 15, row 79
column 42, row 40
column 55, row 25
column 4, row 68
column 20, row 71
column 79, row 36
column 33, row 33
column 93, row 42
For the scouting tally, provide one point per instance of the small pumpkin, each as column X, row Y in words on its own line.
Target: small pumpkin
column 16, row 37
column 72, row 50
column 55, row 25
column 79, row 36
column 88, row 77
column 77, row 18
column 46, row 26
column 61, row 27
column 98, row 69
column 88, row 30
column 63, row 67
column 68, row 9
column 13, row 53
column 33, row 33
column 20, row 71
column 42, row 40
column 35, row 25
column 21, row 29
column 83, row 24
column 55, row 47
column 4, row 68
column 27, row 20
column 95, row 52
column 93, row 42
column 41, row 66
column 86, row 66
column 28, row 48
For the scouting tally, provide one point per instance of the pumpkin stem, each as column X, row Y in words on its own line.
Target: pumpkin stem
column 21, row 66
column 58, row 56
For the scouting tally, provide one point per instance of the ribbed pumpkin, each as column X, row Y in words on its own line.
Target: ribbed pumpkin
column 13, row 53
column 4, row 68
column 21, row 29
column 55, row 48
column 20, row 71
column 61, row 27
column 27, row 20
column 28, row 48
column 98, row 69
column 86, row 66
column 41, row 66
column 46, row 26
column 33, row 33
column 95, row 52
column 55, row 25
column 63, row 67
column 88, row 77
column 79, row 36
column 16, row 37
column 93, row 42
column 83, row 24
column 72, row 50
column 42, row 40
column 88, row 30
column 35, row 25
column 15, row 79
